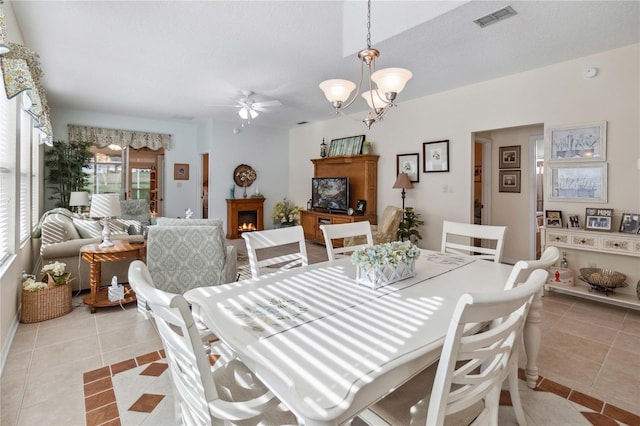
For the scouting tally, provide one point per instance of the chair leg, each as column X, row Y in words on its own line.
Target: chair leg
column 514, row 392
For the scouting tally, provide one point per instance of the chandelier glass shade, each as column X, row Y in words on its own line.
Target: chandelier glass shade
column 384, row 84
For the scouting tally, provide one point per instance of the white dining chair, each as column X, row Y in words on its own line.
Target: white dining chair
column 488, row 235
column 464, row 387
column 272, row 239
column 204, row 394
column 341, row 231
column 519, row 274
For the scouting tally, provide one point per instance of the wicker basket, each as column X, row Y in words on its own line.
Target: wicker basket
column 42, row 305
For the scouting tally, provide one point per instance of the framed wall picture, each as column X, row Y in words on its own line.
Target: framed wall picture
column 509, row 157
column 435, row 156
column 574, row 221
column 598, row 219
column 180, row 171
column 509, row 181
column 360, row 207
column 553, row 218
column 630, row 223
column 577, row 142
column 408, row 163
column 577, row 182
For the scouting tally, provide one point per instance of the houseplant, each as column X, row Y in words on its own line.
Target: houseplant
column 66, row 163
column 285, row 213
column 408, row 229
column 385, row 263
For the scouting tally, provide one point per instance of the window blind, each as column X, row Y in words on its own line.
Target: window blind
column 25, row 175
column 7, row 165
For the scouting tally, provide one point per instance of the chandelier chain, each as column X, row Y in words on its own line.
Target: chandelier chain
column 369, row 24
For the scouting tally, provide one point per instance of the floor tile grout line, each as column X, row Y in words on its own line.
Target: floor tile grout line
column 29, row 365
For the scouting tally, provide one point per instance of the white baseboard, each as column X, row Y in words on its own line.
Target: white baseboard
column 6, row 345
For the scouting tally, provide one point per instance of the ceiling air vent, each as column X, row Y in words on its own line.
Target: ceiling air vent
column 302, row 122
column 498, row 15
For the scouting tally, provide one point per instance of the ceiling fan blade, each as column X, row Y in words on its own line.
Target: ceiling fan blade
column 267, row 104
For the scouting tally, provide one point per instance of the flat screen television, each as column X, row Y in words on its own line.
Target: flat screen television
column 330, row 193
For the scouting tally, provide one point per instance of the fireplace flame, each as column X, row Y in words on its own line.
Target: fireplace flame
column 246, row 227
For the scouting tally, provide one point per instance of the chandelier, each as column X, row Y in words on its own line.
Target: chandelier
column 384, row 84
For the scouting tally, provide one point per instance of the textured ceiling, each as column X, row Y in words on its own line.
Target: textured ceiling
column 177, row 59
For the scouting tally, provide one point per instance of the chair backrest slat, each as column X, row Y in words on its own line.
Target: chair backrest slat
column 344, row 230
column 523, row 268
column 273, row 238
column 470, row 232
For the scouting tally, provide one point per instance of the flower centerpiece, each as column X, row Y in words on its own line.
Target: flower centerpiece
column 285, row 213
column 48, row 298
column 384, row 264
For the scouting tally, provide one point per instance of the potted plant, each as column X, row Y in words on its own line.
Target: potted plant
column 408, row 229
column 285, row 213
column 66, row 163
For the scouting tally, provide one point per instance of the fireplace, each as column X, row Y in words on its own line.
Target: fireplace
column 244, row 215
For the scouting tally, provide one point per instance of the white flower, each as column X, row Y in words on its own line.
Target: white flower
column 32, row 285
column 391, row 254
column 56, row 268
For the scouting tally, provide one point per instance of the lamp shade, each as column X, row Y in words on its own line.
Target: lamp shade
column 105, row 205
column 79, row 199
column 403, row 182
column 391, row 80
column 378, row 102
column 337, row 90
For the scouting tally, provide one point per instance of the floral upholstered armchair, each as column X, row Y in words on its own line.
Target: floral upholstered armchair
column 184, row 254
column 386, row 229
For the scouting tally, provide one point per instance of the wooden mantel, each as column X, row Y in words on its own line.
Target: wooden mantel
column 236, row 206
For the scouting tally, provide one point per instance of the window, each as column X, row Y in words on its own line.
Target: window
column 26, row 128
column 35, row 176
column 7, row 170
column 105, row 172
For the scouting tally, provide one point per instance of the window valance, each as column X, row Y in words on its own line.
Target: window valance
column 105, row 137
column 22, row 73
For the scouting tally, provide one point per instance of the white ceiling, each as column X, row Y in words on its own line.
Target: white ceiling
column 174, row 59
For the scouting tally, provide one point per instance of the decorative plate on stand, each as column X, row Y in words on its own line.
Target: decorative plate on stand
column 244, row 175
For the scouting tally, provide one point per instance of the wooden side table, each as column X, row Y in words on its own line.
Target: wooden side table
column 95, row 255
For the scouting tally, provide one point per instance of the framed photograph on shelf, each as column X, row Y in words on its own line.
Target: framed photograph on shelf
column 180, row 171
column 351, row 145
column 435, row 156
column 509, row 181
column 630, row 223
column 553, row 218
column 574, row 221
column 360, row 206
column 598, row 219
column 577, row 142
column 408, row 163
column 509, row 157
column 577, row 182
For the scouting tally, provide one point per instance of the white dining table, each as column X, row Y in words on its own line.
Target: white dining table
column 329, row 347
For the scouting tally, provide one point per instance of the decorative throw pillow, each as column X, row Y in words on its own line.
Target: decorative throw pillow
column 88, row 228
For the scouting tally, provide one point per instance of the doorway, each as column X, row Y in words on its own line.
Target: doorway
column 536, row 179
column 482, row 180
column 205, row 186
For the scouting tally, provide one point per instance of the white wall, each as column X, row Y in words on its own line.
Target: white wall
column 556, row 94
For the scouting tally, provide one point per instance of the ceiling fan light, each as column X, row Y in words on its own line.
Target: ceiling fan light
column 253, row 114
column 374, row 100
column 243, row 113
column 337, row 90
column 391, row 80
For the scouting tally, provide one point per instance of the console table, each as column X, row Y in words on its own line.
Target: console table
column 610, row 247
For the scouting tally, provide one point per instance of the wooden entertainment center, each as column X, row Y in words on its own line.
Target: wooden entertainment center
column 362, row 171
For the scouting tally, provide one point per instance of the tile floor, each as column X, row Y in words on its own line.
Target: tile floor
column 590, row 361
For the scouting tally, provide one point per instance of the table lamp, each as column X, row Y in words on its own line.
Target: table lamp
column 79, row 199
column 104, row 206
column 403, row 181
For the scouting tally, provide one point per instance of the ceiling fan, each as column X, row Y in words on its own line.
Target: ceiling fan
column 249, row 108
